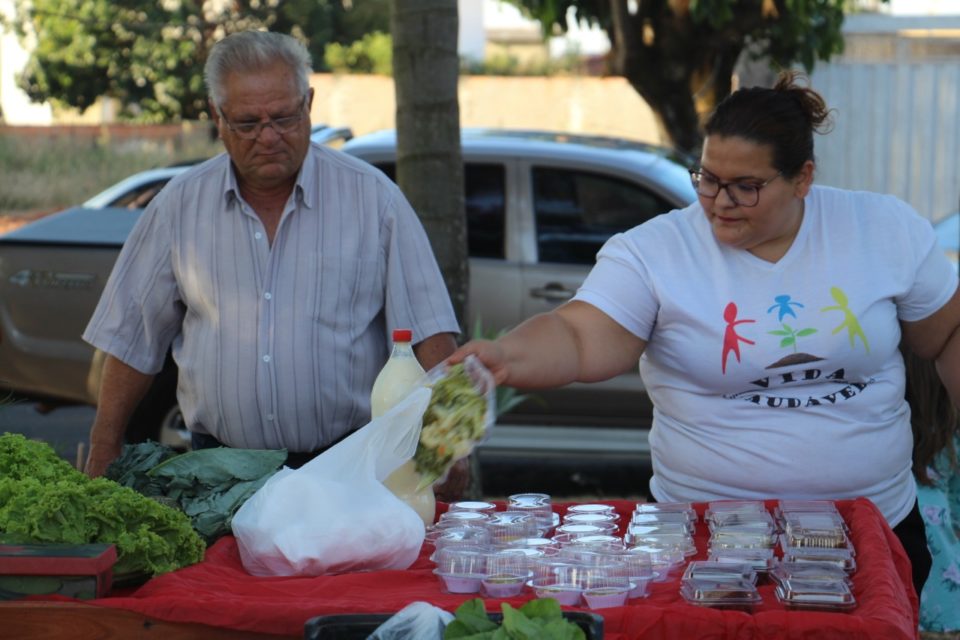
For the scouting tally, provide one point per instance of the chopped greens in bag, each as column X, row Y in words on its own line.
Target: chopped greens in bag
column 461, row 410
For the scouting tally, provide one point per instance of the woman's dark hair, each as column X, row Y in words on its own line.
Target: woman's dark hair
column 933, row 417
column 784, row 117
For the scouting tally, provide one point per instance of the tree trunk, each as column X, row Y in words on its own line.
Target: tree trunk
column 680, row 68
column 429, row 161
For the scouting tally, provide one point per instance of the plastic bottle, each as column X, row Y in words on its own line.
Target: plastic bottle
column 399, row 376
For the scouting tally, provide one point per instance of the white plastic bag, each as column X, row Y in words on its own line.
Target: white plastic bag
column 419, row 620
column 334, row 515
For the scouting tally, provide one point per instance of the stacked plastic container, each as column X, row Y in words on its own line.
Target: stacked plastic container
column 582, row 561
column 579, row 561
column 818, row 557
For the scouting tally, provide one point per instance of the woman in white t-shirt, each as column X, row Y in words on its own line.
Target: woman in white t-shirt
column 768, row 316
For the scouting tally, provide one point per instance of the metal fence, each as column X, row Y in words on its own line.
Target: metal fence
column 896, row 130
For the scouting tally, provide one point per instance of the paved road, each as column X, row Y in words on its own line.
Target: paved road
column 67, row 428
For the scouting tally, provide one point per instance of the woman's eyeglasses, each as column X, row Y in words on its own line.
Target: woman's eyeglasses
column 743, row 194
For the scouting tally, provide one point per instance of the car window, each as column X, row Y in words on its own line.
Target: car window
column 139, row 197
column 577, row 211
column 485, row 204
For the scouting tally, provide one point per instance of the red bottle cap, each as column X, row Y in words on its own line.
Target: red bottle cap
column 402, row 335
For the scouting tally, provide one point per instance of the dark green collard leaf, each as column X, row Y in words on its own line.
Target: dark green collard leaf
column 222, row 464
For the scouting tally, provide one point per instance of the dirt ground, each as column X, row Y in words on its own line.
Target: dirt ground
column 11, row 221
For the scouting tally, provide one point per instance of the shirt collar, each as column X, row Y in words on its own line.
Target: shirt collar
column 304, row 188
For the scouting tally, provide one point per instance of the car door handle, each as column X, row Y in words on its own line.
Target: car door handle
column 553, row 291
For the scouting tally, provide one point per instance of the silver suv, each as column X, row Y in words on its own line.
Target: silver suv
column 539, row 205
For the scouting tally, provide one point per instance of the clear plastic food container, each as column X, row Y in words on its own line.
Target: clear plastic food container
column 817, row 539
column 560, row 580
column 473, row 505
column 591, row 508
column 506, row 527
column 604, row 586
column 726, row 538
column 841, row 558
column 668, row 507
column 591, row 518
column 726, row 594
column 809, row 571
column 461, row 569
column 743, row 521
column 684, row 543
column 507, row 572
column 760, row 560
column 665, row 517
column 712, row 570
column 815, row 594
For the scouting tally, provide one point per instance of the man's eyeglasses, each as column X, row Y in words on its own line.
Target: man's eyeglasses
column 743, row 194
column 251, row 130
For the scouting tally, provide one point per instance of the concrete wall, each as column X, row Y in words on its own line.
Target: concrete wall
column 607, row 106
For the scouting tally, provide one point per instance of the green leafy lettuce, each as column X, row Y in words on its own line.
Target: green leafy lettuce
column 540, row 619
column 44, row 499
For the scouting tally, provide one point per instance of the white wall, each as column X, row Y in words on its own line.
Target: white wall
column 14, row 103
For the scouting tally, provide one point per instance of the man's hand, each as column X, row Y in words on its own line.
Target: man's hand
column 100, row 457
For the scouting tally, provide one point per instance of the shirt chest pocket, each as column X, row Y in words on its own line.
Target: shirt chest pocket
column 346, row 290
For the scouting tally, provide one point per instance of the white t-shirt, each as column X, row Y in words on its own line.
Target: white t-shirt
column 778, row 379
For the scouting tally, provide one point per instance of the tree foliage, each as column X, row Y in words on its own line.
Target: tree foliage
column 149, row 54
column 680, row 55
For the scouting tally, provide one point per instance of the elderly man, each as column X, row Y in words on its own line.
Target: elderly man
column 275, row 272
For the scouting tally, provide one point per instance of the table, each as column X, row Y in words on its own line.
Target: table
column 217, row 595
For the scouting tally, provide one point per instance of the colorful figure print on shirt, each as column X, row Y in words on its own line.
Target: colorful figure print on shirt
column 785, row 386
column 731, row 339
column 850, row 321
column 784, row 304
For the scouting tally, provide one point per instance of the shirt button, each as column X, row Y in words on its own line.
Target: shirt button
column 270, row 417
column 268, row 295
column 266, row 358
column 258, row 235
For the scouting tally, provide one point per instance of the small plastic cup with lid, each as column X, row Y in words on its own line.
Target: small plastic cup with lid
column 538, row 504
column 462, row 537
column 507, row 573
column 473, row 505
column 506, row 527
column 664, row 560
column 591, row 518
column 461, row 568
column 578, row 530
column 638, row 566
column 598, row 543
column 477, row 518
column 591, row 508
column 559, row 580
column 604, row 586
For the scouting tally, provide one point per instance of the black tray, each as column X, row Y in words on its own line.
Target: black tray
column 357, row 626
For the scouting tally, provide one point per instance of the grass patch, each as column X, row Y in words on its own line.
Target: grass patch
column 52, row 172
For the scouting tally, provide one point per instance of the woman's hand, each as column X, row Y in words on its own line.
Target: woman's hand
column 489, row 352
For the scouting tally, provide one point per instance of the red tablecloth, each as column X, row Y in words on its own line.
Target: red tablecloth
column 219, row 592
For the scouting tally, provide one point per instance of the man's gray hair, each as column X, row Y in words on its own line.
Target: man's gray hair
column 252, row 51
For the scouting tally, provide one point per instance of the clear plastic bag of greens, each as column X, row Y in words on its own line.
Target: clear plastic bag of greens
column 461, row 412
